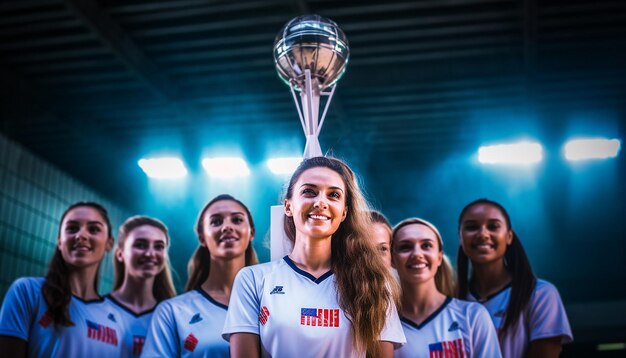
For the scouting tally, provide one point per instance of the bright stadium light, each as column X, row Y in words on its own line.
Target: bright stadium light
column 226, row 167
column 163, row 168
column 516, row 153
column 591, row 148
column 281, row 166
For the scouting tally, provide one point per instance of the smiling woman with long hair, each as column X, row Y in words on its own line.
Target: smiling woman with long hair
column 332, row 296
column 63, row 315
column 191, row 324
column 142, row 278
column 527, row 312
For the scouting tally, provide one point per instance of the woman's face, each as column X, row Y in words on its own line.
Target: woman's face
column 318, row 203
column 144, row 253
column 484, row 233
column 226, row 230
column 84, row 237
column 382, row 236
column 416, row 253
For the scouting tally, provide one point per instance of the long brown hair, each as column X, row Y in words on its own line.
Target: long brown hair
column 163, row 288
column 365, row 287
column 56, row 289
column 516, row 262
column 200, row 263
column 444, row 278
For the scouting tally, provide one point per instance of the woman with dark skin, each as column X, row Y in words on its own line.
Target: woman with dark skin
column 527, row 312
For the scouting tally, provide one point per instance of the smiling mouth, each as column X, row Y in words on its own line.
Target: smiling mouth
column 319, row 217
column 149, row 263
column 484, row 246
column 418, row 266
column 228, row 240
column 81, row 248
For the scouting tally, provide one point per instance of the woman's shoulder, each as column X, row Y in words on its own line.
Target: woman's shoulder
column 468, row 308
column 543, row 288
column 263, row 268
column 28, row 284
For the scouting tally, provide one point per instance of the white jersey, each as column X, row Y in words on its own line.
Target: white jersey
column 295, row 314
column 96, row 331
column 134, row 328
column 458, row 329
column 189, row 325
column 544, row 317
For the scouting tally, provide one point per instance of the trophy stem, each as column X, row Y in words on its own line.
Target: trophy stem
column 310, row 97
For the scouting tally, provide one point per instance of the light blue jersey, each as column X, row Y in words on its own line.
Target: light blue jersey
column 458, row 329
column 189, row 325
column 294, row 313
column 134, row 327
column 544, row 317
column 95, row 333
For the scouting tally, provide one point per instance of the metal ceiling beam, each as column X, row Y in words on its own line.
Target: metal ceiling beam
column 123, row 47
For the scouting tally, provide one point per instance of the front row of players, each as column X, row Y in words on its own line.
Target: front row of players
column 333, row 295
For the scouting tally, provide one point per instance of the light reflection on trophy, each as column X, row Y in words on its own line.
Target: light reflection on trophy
column 311, row 54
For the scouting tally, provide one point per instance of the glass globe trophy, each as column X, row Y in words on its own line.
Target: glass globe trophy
column 311, row 54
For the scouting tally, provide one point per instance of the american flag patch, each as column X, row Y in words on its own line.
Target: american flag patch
column 447, row 349
column 101, row 333
column 319, row 317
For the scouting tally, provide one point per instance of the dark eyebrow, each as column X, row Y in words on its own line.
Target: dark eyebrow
column 232, row 213
column 315, row 186
column 93, row 222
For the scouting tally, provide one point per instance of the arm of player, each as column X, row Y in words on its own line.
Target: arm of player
column 245, row 345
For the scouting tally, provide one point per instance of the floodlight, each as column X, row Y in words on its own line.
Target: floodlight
column 591, row 148
column 163, row 168
column 226, row 167
column 522, row 153
column 280, row 166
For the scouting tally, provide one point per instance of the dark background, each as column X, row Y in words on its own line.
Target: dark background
column 93, row 86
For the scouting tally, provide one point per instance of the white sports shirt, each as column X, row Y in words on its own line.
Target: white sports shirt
column 295, row 314
column 189, row 325
column 96, row 331
column 544, row 317
column 458, row 329
column 134, row 328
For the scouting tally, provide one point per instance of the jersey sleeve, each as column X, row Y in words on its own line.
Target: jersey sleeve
column 547, row 317
column 162, row 338
column 19, row 308
column 483, row 337
column 392, row 331
column 244, row 306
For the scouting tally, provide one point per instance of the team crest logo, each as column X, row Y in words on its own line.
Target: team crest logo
column 195, row 319
column 447, row 349
column 191, row 342
column 454, row 326
column 138, row 344
column 101, row 333
column 319, row 317
column 278, row 290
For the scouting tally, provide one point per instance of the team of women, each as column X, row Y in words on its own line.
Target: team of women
column 334, row 295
